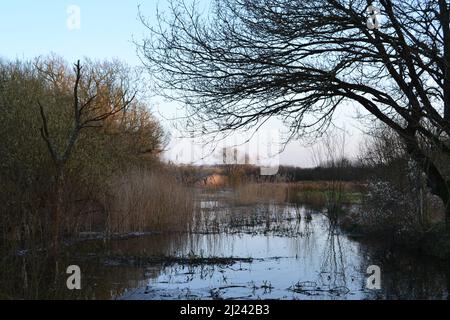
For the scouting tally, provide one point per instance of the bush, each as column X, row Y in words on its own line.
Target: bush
column 393, row 212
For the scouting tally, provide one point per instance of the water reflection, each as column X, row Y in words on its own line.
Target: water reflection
column 295, row 254
column 405, row 275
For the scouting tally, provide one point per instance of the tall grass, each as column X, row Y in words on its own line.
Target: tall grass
column 134, row 200
column 319, row 194
column 252, row 193
column 142, row 200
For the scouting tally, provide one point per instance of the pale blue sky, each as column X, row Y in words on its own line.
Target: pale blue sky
column 30, row 28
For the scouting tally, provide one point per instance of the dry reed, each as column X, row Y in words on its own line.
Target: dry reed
column 317, row 193
column 142, row 200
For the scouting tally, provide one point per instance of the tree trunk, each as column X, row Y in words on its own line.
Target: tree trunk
column 447, row 216
column 436, row 181
column 58, row 207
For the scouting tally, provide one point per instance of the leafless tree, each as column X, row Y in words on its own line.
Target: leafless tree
column 87, row 113
column 302, row 60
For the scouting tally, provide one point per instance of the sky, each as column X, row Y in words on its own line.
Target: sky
column 106, row 30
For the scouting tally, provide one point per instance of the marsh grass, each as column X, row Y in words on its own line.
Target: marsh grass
column 141, row 200
column 317, row 194
column 136, row 200
column 188, row 260
column 253, row 193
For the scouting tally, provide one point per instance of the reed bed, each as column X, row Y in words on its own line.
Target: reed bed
column 140, row 200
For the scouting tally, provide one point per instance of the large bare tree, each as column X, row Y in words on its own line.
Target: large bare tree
column 301, row 60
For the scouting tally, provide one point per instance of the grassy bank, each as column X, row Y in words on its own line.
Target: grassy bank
column 317, row 194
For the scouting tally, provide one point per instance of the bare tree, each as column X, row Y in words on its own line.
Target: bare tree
column 88, row 112
column 302, row 60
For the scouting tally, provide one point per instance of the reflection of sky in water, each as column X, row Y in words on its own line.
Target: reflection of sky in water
column 325, row 265
column 327, row 261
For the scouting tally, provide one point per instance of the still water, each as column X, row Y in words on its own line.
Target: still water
column 263, row 251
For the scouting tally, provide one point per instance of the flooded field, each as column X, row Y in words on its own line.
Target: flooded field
column 263, row 251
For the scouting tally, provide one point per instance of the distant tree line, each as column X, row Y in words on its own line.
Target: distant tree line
column 346, row 171
column 350, row 172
